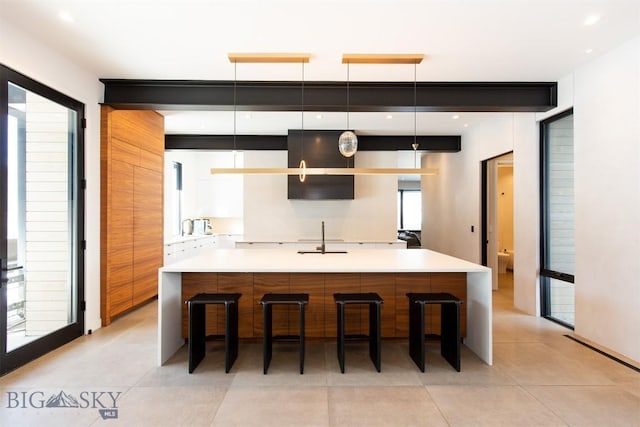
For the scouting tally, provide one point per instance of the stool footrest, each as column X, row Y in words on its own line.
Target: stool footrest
column 290, row 338
column 214, row 337
column 357, row 337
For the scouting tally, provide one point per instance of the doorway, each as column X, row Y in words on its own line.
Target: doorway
column 497, row 219
column 41, row 221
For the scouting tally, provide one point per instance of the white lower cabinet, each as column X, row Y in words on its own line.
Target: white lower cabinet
column 187, row 247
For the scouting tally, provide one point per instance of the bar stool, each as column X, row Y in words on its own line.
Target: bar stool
column 197, row 328
column 373, row 300
column 268, row 301
column 449, row 325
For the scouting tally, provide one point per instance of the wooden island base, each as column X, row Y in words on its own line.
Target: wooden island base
column 321, row 310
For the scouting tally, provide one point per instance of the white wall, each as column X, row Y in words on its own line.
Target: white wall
column 203, row 194
column 605, row 94
column 34, row 59
column 607, row 197
column 270, row 216
column 451, row 200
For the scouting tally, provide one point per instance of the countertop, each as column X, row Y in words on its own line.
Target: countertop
column 190, row 237
column 356, row 260
column 319, row 241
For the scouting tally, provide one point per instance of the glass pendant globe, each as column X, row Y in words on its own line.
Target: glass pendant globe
column 348, row 143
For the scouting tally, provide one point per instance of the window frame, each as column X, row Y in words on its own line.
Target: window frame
column 546, row 273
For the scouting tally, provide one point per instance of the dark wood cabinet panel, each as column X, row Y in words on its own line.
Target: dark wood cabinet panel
column 320, row 314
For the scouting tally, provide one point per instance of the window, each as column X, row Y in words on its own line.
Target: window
column 557, row 219
column 409, row 210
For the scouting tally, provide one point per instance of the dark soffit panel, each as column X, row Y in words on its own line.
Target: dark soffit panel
column 434, row 143
column 331, row 96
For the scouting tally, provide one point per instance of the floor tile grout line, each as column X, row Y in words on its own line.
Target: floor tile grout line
column 446, row 420
column 560, row 417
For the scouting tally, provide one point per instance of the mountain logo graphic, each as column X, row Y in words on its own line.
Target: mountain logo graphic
column 62, row 400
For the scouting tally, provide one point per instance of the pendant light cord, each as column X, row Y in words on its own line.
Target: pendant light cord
column 348, row 65
column 415, row 104
column 235, row 108
column 348, row 99
column 302, row 116
column 415, row 116
column 303, row 164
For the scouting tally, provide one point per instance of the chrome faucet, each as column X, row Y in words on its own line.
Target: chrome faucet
column 322, row 247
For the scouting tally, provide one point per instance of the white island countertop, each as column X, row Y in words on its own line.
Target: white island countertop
column 356, row 260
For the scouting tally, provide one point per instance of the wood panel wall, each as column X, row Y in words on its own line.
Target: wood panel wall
column 131, row 208
column 321, row 310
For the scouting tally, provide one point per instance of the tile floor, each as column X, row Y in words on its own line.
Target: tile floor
column 539, row 378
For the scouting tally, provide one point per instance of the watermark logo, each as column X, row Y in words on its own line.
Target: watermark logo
column 106, row 402
column 62, row 400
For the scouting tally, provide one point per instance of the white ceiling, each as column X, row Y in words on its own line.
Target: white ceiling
column 463, row 40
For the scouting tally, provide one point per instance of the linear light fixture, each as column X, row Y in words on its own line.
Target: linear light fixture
column 324, row 171
column 382, row 58
column 269, row 57
column 347, row 58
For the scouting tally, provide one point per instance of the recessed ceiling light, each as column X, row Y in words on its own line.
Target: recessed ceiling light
column 591, row 20
column 466, row 125
column 588, row 51
column 455, row 117
column 389, row 116
column 247, row 116
column 318, row 116
column 66, row 16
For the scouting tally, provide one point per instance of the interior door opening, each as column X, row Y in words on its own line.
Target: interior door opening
column 497, row 248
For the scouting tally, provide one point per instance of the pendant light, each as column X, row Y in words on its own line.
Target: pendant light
column 348, row 141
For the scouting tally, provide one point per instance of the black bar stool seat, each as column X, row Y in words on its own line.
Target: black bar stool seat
column 374, row 301
column 268, row 301
column 197, row 327
column 449, row 326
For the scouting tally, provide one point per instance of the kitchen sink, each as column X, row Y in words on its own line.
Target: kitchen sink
column 322, row 252
column 321, row 249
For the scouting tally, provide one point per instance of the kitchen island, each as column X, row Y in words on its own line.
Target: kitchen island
column 390, row 272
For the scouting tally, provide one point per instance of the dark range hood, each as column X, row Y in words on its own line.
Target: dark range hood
column 319, row 149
